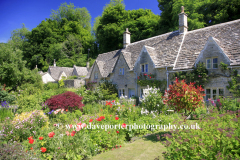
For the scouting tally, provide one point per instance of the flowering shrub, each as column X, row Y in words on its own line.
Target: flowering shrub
column 217, row 138
column 67, row 100
column 23, row 125
column 152, row 100
column 183, row 97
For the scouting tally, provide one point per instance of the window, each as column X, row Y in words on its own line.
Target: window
column 95, row 75
column 144, row 68
column 215, row 63
column 214, row 93
column 208, row 94
column 221, row 92
column 208, row 63
column 121, row 92
column 212, row 63
column 121, row 71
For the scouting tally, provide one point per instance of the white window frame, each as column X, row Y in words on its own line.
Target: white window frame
column 207, row 63
column 215, row 63
column 211, row 92
column 211, row 63
column 121, row 92
column 144, row 68
column 121, row 71
column 95, row 75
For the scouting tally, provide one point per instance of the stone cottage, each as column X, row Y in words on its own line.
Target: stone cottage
column 172, row 52
column 54, row 74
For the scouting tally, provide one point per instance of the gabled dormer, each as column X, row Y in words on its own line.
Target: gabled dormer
column 146, row 60
column 212, row 54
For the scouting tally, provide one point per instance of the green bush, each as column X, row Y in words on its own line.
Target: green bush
column 4, row 113
column 29, row 103
column 153, row 101
column 50, row 86
column 5, row 96
column 216, row 138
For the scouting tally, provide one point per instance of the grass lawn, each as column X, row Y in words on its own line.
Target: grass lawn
column 146, row 148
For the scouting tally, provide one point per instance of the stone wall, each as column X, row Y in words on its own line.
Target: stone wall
column 74, row 83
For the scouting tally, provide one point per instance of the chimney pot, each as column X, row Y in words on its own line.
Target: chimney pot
column 183, row 26
column 54, row 63
column 126, row 38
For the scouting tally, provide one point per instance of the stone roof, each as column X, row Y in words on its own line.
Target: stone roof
column 81, row 71
column 177, row 50
column 55, row 72
column 227, row 36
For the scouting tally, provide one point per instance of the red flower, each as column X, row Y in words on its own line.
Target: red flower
column 43, row 149
column 120, row 146
column 134, row 105
column 73, row 133
column 99, row 119
column 30, row 137
column 31, row 141
column 108, row 132
column 102, row 117
column 90, row 120
column 51, row 134
column 150, row 77
column 70, row 125
column 124, row 125
column 31, row 148
column 67, row 133
column 40, row 138
column 66, row 110
column 117, row 131
column 116, row 118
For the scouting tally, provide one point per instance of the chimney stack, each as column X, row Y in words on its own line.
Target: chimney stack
column 183, row 26
column 54, row 63
column 126, row 38
column 87, row 65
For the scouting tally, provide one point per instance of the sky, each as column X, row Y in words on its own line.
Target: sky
column 31, row 12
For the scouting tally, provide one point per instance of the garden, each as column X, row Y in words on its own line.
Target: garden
column 53, row 122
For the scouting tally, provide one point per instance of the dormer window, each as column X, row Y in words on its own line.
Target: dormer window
column 144, row 68
column 121, row 71
column 215, row 63
column 95, row 75
column 212, row 63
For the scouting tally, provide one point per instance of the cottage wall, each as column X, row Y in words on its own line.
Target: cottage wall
column 92, row 77
column 126, row 81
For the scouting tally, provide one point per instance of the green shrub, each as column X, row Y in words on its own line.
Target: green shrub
column 216, row 138
column 153, row 100
column 5, row 96
column 50, row 86
column 29, row 103
column 12, row 150
column 4, row 113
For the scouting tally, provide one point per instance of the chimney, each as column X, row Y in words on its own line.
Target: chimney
column 126, row 38
column 87, row 65
column 54, row 63
column 183, row 27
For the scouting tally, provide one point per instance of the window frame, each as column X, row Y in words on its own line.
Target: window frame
column 217, row 93
column 214, row 63
column 121, row 91
column 144, row 68
column 121, row 71
column 96, row 75
column 207, row 63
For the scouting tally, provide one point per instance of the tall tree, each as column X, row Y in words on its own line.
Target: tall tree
column 18, row 36
column 201, row 13
column 109, row 27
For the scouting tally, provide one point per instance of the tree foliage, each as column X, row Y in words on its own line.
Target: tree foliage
column 13, row 72
column 109, row 27
column 67, row 35
column 201, row 13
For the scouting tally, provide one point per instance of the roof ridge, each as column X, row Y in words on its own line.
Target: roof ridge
column 215, row 25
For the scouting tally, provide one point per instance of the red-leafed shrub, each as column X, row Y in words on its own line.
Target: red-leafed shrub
column 67, row 100
column 184, row 97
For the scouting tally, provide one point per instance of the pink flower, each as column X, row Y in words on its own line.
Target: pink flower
column 78, row 128
column 67, row 133
column 218, row 100
column 84, row 125
column 220, row 103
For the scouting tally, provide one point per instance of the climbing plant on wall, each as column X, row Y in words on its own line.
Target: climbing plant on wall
column 199, row 75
